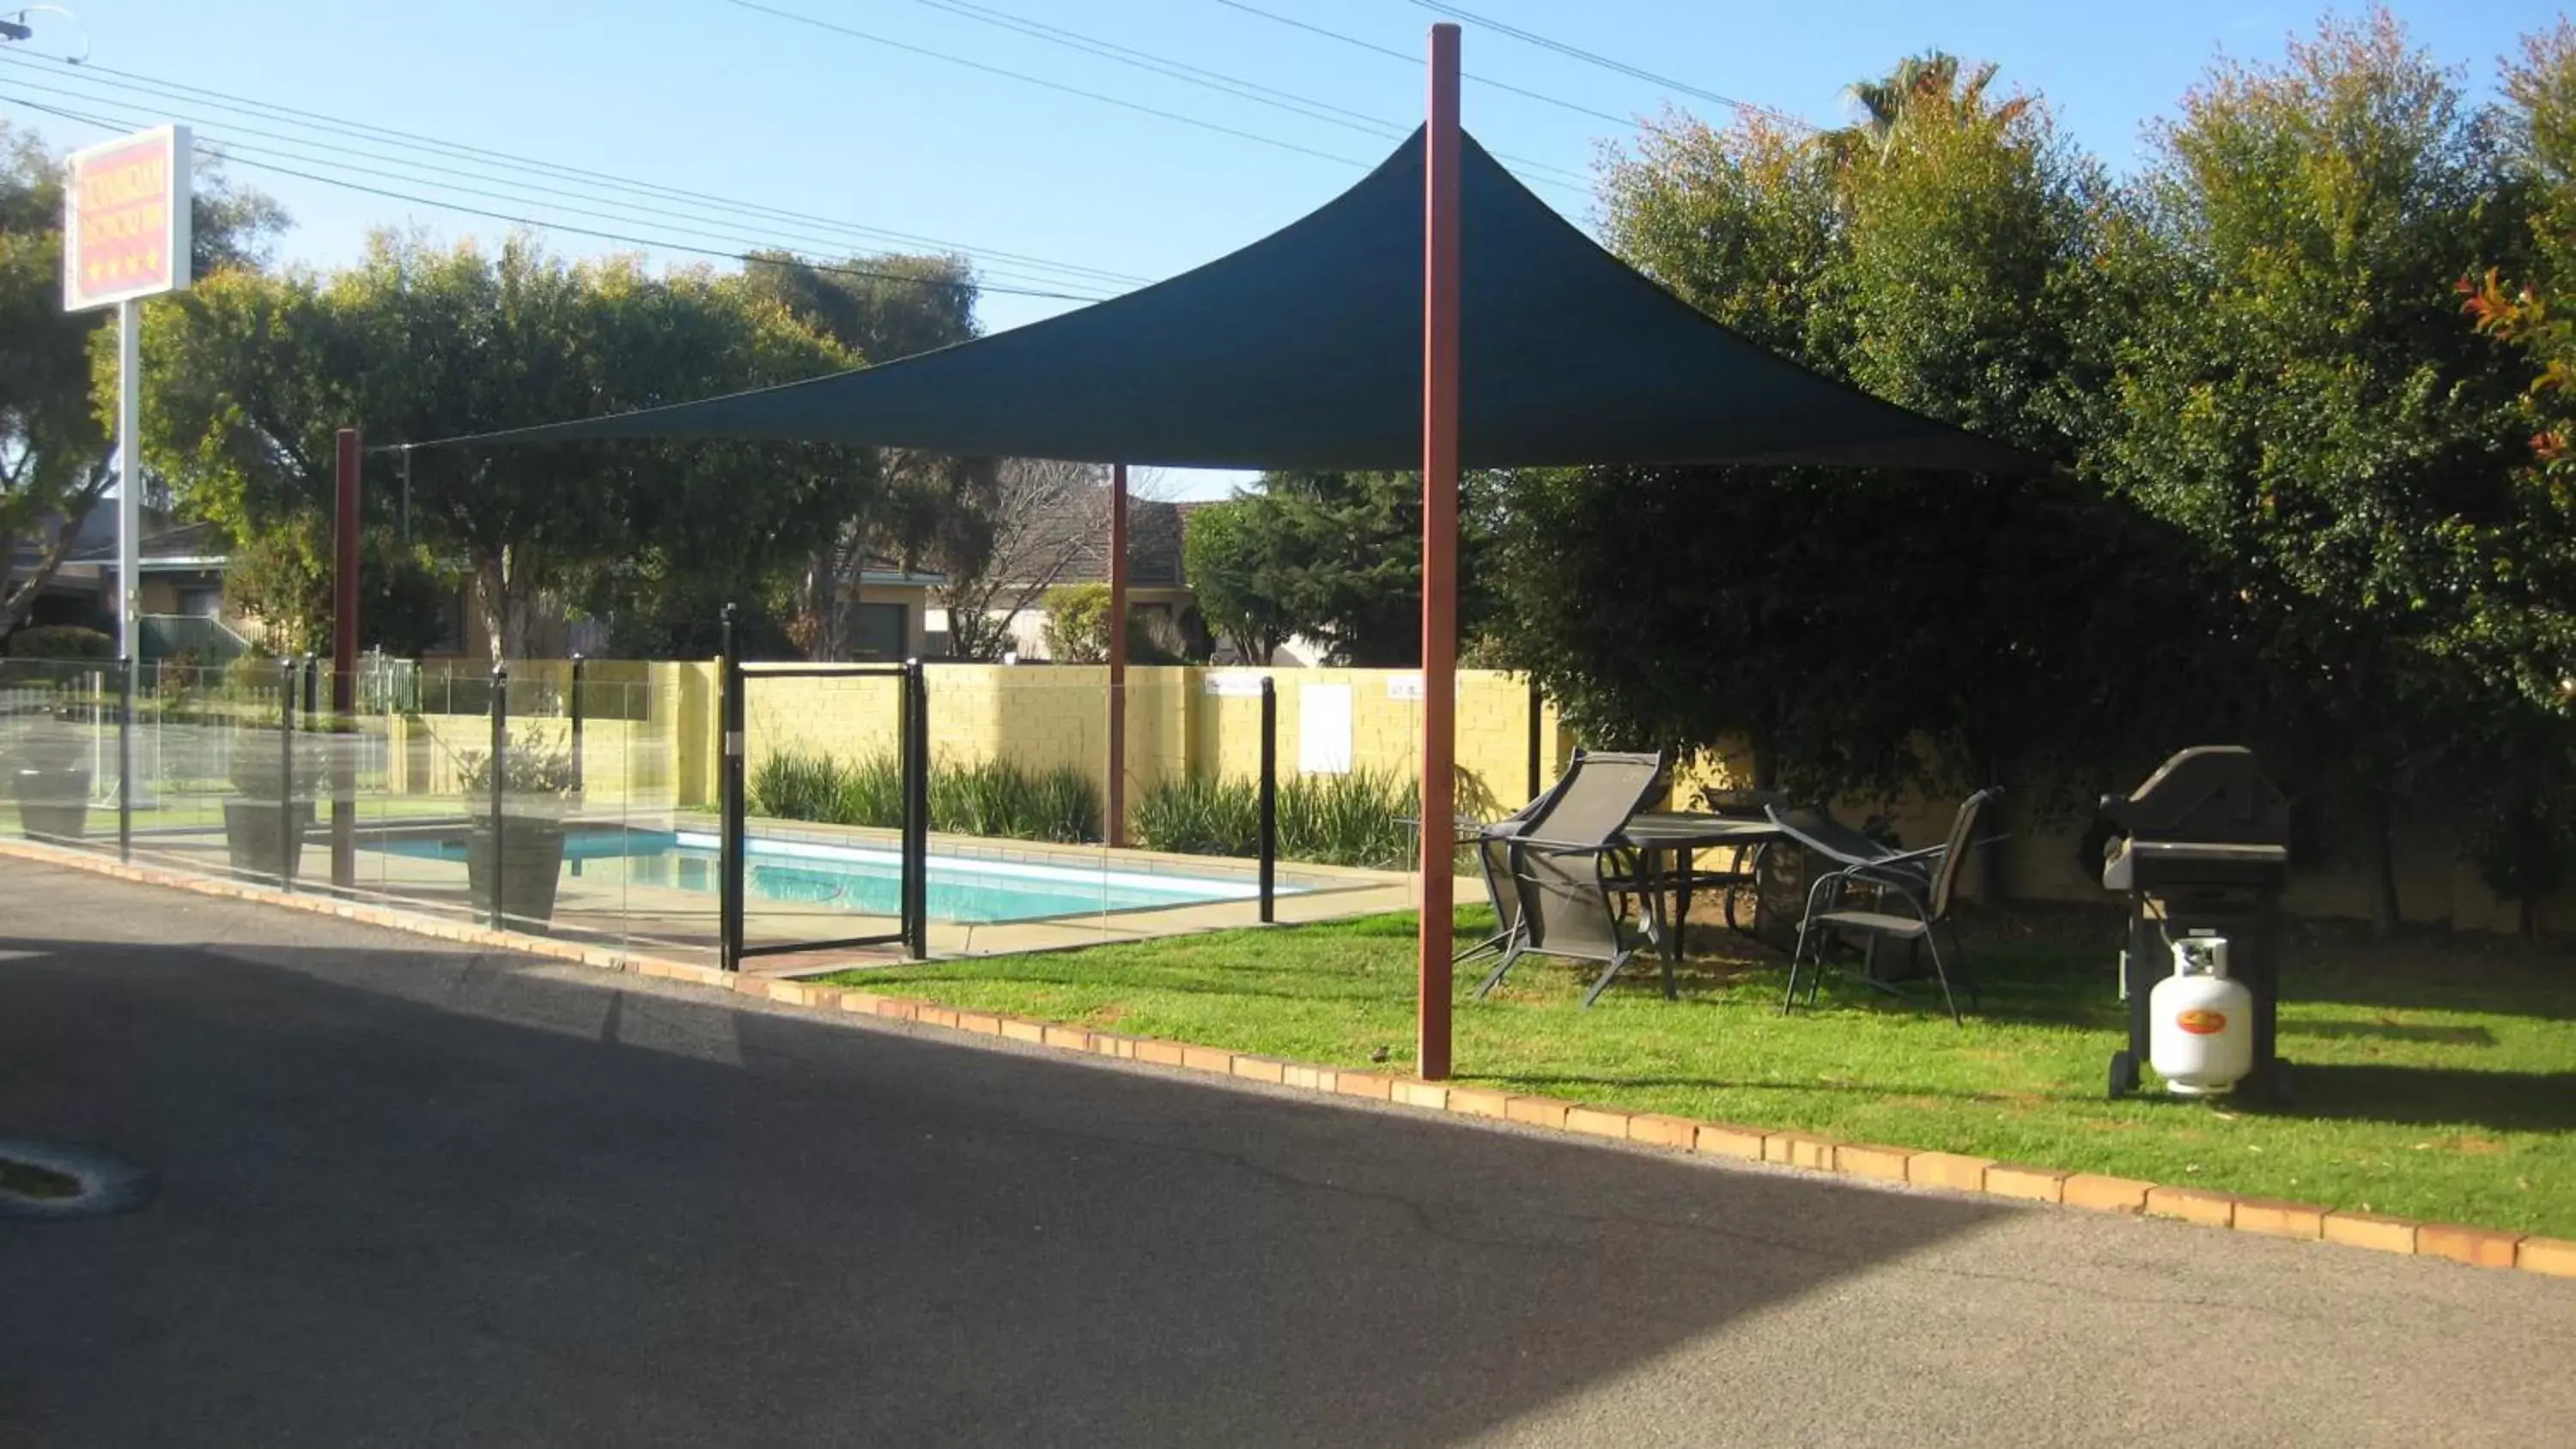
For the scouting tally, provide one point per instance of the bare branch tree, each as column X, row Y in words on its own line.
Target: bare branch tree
column 1014, row 538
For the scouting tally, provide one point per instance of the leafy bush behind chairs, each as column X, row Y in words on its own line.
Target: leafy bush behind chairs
column 993, row 798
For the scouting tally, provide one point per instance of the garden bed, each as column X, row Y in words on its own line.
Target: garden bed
column 2436, row 1076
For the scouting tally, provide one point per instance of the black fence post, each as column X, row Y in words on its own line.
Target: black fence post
column 125, row 759
column 1537, row 712
column 576, row 722
column 286, row 841
column 730, row 804
column 1269, row 799
column 500, row 913
column 312, row 690
column 916, row 811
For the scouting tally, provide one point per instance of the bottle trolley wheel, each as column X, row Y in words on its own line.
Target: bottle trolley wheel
column 2124, row 1074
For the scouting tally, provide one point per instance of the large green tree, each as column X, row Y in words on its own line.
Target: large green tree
column 1336, row 557
column 1839, row 622
column 924, row 508
column 2524, row 602
column 254, row 373
column 2296, row 393
column 56, row 455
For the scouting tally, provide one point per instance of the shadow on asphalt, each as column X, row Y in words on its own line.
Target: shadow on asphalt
column 443, row 1197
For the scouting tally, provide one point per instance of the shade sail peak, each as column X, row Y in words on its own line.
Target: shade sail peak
column 1304, row 351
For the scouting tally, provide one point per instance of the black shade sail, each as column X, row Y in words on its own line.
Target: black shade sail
column 1304, row 351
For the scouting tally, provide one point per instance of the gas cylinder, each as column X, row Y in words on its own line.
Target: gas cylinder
column 2200, row 1037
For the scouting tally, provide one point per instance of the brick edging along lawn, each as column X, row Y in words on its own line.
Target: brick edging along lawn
column 2480, row 1247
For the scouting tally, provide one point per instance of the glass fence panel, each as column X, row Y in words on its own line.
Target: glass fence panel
column 601, row 821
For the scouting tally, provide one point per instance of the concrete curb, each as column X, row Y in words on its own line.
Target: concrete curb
column 2479, row 1247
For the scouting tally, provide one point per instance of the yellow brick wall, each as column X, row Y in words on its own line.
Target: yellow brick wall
column 1043, row 718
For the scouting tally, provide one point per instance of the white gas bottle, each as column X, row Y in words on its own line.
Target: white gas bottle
column 2201, row 1033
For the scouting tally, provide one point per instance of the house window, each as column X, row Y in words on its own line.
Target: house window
column 202, row 602
column 881, row 631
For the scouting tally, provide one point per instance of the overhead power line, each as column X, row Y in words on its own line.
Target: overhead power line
column 836, row 28
column 552, row 197
column 1137, row 58
column 1410, row 58
column 164, row 90
column 1576, row 52
column 1254, row 91
column 213, row 152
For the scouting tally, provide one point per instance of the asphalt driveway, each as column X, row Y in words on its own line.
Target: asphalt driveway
column 416, row 1194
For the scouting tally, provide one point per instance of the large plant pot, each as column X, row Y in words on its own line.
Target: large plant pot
column 53, row 801
column 531, row 867
column 266, row 837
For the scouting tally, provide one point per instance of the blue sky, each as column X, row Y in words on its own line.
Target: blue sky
column 715, row 97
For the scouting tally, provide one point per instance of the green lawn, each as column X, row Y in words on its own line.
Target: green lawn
column 2433, row 1079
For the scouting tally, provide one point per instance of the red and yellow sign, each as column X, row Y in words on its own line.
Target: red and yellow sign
column 125, row 219
column 2201, row 1021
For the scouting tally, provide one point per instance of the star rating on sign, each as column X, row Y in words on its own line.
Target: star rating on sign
column 119, row 268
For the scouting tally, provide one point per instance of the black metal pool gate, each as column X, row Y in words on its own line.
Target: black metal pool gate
column 912, row 931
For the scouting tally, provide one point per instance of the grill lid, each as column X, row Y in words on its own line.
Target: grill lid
column 2207, row 793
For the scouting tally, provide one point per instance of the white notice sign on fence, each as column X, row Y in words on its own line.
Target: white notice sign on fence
column 1324, row 729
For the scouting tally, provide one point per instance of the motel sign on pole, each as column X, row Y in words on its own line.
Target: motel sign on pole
column 125, row 238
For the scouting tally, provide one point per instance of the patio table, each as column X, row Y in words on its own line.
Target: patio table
column 1668, row 843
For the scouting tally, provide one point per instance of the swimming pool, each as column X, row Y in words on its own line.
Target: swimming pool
column 868, row 881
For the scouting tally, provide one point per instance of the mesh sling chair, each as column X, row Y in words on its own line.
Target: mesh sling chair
column 1572, row 870
column 1494, row 864
column 1744, row 865
column 1920, row 881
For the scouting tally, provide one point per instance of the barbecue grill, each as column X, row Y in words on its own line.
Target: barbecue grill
column 2203, row 852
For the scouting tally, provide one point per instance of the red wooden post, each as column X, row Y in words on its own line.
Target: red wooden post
column 344, row 661
column 1117, row 798
column 1439, row 549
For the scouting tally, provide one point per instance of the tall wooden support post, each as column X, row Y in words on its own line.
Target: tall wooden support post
column 344, row 665
column 1439, row 551
column 729, row 835
column 1117, row 797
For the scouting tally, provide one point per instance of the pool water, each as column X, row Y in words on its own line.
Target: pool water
column 869, row 881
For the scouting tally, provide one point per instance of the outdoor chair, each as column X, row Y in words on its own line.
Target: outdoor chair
column 1910, row 893
column 1572, row 872
column 1744, row 862
column 1494, row 863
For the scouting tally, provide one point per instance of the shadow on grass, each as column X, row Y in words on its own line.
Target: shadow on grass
column 2477, row 1036
column 1879, row 1090
column 2433, row 1096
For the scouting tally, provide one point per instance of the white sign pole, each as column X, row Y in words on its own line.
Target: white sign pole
column 129, row 487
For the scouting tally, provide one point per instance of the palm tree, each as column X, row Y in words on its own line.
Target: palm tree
column 1930, row 79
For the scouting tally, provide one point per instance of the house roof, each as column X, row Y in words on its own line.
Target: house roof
column 190, row 545
column 1304, row 351
column 1075, row 532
